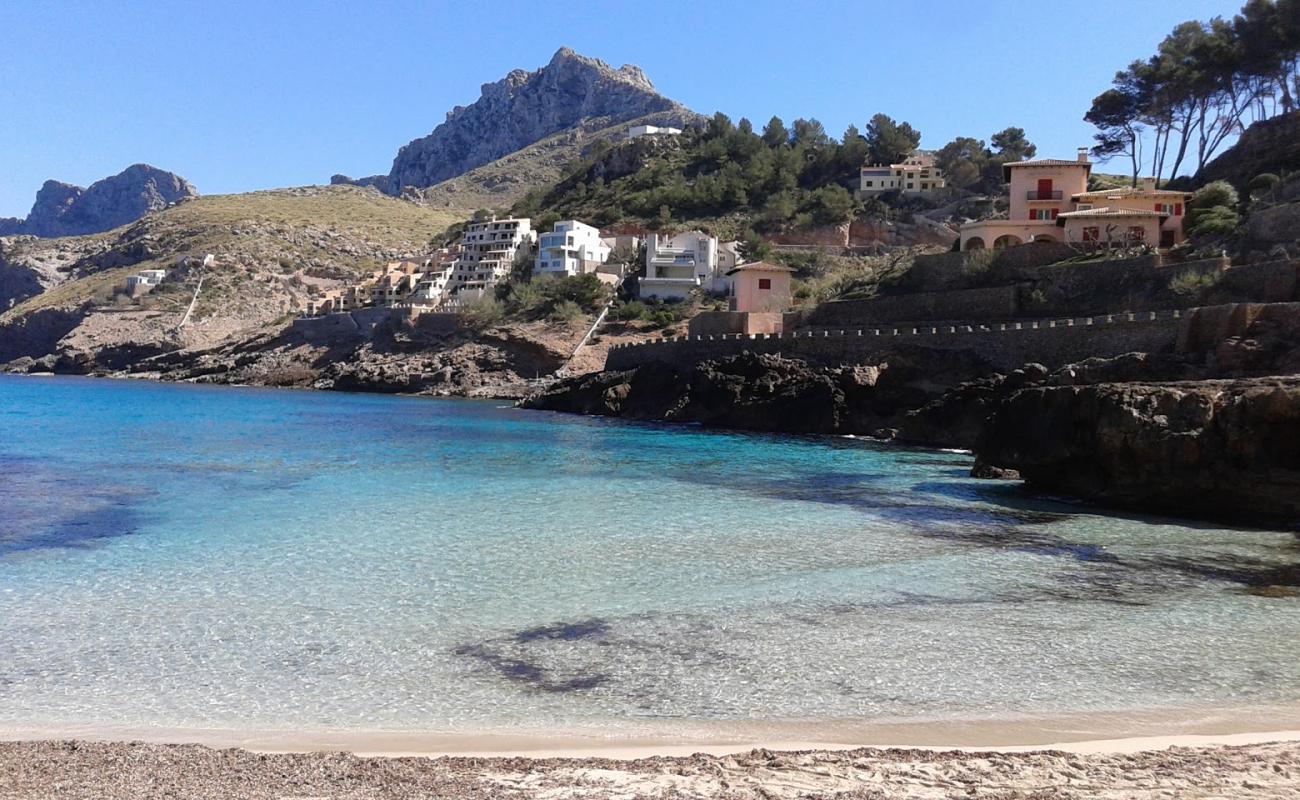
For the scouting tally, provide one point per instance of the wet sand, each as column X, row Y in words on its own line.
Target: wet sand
column 69, row 769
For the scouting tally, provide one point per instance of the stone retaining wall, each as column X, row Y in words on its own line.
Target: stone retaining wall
column 1006, row 345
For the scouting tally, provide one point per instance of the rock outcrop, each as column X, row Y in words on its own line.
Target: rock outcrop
column 520, row 109
column 62, row 209
column 1226, row 449
column 1271, row 145
column 768, row 392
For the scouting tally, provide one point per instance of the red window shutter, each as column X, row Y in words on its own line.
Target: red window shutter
column 1055, row 213
column 1159, row 206
column 1178, row 209
column 765, row 283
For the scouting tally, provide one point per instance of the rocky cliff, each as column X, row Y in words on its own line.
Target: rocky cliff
column 1227, row 449
column 62, row 209
column 1271, row 145
column 520, row 109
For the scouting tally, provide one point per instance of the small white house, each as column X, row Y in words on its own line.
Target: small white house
column 571, row 248
column 144, row 281
column 637, row 131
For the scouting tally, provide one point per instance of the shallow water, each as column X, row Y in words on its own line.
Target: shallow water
column 187, row 556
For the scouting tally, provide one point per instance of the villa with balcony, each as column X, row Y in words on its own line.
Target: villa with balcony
column 675, row 266
column 1050, row 201
column 571, row 248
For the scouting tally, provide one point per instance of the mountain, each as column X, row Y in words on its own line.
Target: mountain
column 62, row 209
column 569, row 93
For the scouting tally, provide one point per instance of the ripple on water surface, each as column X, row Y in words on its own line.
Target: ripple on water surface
column 186, row 556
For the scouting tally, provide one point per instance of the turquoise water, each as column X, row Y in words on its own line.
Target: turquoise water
column 187, row 556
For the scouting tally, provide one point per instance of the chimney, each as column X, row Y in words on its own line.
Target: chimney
column 1083, row 155
column 1148, row 184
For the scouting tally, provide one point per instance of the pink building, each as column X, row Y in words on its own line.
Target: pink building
column 1050, row 201
column 760, row 288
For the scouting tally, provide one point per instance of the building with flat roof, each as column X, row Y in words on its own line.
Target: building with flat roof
column 570, row 248
column 914, row 175
column 677, row 265
column 487, row 252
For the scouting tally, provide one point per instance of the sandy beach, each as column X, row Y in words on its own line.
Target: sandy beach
column 79, row 769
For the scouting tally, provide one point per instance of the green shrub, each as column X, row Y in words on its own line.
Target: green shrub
column 565, row 311
column 1193, row 283
column 484, row 313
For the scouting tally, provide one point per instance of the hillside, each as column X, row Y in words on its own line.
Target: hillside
column 521, row 109
column 270, row 248
column 504, row 182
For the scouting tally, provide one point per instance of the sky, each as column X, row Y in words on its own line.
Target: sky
column 238, row 96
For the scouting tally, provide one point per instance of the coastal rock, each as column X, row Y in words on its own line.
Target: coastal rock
column 1227, row 449
column 767, row 392
column 62, row 209
column 523, row 108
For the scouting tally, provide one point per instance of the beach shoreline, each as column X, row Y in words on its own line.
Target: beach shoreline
column 1111, row 732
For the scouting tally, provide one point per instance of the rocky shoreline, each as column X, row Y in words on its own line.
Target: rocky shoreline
column 1210, row 431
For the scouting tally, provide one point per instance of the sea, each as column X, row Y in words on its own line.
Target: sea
column 183, row 556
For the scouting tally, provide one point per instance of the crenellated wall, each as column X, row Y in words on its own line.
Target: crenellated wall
column 1006, row 345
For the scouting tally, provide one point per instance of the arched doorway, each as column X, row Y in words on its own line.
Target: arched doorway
column 974, row 243
column 1006, row 240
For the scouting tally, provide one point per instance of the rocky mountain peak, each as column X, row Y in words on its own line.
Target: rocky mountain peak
column 523, row 108
column 64, row 209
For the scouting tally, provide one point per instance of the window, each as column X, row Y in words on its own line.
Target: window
column 1167, row 209
column 1137, row 233
column 764, row 284
column 868, row 184
column 909, row 184
column 1044, row 213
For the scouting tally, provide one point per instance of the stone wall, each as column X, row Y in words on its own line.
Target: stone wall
column 358, row 324
column 1006, row 345
column 997, row 302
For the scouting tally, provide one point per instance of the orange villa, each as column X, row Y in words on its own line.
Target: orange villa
column 1050, row 201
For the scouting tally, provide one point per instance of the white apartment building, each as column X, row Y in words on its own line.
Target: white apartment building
column 916, row 174
column 674, row 266
column 487, row 251
column 637, row 131
column 433, row 285
column 571, row 248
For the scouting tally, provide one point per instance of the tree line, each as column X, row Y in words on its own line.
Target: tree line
column 1204, row 84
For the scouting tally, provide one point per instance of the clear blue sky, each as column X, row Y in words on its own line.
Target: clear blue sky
column 238, row 96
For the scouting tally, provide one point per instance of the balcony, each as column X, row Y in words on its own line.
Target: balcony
column 1034, row 194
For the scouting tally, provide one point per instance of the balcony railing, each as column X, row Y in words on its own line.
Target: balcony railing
column 1034, row 194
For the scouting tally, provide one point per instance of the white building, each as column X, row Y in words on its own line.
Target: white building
column 677, row 265
column 487, row 251
column 916, row 174
column 637, row 131
column 571, row 248
column 144, row 281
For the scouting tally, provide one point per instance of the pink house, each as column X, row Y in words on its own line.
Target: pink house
column 1050, row 201
column 760, row 288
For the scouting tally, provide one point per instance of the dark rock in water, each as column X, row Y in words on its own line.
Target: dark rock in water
column 1219, row 449
column 990, row 472
column 62, row 209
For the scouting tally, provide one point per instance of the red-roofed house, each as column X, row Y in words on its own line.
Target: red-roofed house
column 1050, row 201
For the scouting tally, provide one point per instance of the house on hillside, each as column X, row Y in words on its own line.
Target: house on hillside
column 144, row 281
column 914, row 175
column 759, row 295
column 637, row 131
column 677, row 265
column 1050, row 202
column 571, row 248
column 397, row 281
column 487, row 252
